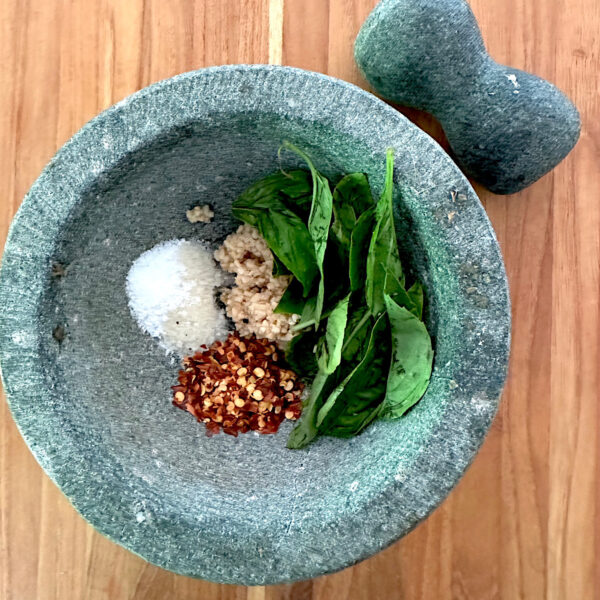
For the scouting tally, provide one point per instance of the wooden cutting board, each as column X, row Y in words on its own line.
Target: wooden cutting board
column 525, row 521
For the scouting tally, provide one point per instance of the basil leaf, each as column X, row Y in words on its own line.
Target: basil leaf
column 292, row 302
column 354, row 190
column 318, row 227
column 359, row 245
column 351, row 197
column 411, row 299
column 279, row 200
column 279, row 268
column 411, row 363
column 300, row 354
column 319, row 221
column 329, row 357
column 357, row 333
column 356, row 401
column 335, row 273
column 295, row 249
column 306, row 429
column 383, row 250
column 294, row 186
column 365, row 364
column 399, row 295
column 415, row 293
column 298, row 198
column 329, row 351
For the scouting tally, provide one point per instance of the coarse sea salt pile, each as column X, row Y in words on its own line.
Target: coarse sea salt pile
column 171, row 290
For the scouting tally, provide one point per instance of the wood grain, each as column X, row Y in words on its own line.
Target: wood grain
column 524, row 522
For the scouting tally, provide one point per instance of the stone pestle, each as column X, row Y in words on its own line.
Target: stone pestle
column 507, row 128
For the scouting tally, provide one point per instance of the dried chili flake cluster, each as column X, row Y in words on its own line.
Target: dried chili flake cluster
column 239, row 385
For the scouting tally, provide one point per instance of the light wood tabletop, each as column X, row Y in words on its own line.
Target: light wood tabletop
column 525, row 520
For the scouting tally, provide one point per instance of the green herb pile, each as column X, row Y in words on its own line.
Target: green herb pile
column 360, row 337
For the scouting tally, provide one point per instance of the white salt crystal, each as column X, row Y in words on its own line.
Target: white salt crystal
column 171, row 290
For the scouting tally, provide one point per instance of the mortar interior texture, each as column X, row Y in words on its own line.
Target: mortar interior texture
column 95, row 407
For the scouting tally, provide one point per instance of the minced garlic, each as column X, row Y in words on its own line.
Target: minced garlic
column 200, row 214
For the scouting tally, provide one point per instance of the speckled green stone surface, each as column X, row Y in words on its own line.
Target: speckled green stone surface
column 95, row 407
column 507, row 128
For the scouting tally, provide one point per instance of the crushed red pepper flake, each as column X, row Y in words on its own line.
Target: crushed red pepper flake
column 237, row 386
